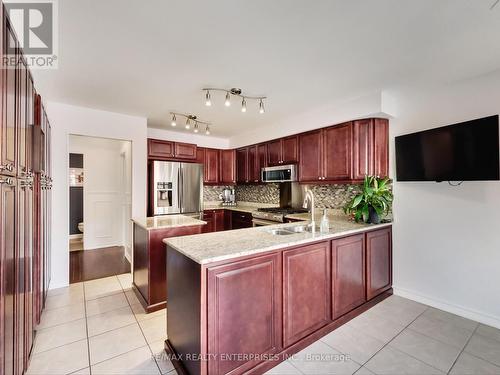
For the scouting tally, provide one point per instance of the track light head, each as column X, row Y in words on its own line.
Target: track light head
column 174, row 120
column 243, row 105
column 261, row 107
column 196, row 127
column 227, row 103
column 208, row 100
column 188, row 123
column 207, row 130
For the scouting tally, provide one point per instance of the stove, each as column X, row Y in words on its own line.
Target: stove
column 274, row 215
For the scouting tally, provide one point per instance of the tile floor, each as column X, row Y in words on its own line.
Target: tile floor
column 99, row 327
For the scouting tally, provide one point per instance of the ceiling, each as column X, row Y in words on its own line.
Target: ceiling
column 150, row 57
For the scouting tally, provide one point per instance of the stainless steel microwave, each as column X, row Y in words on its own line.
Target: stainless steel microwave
column 280, row 173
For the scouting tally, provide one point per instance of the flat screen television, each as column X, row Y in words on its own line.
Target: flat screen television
column 468, row 151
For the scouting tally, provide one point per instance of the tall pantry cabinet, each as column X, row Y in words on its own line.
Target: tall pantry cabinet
column 25, row 183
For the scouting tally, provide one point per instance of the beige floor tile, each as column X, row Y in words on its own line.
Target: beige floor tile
column 469, row 365
column 451, row 318
column 319, row 358
column 487, row 331
column 348, row 340
column 105, row 304
column 131, row 297
column 393, row 362
column 50, row 338
column 401, row 310
column 63, row 360
column 441, row 330
column 102, row 287
column 62, row 315
column 125, row 280
column 138, row 361
column 363, row 371
column 284, row 368
column 383, row 328
column 433, row 352
column 113, row 343
column 158, row 350
column 141, row 314
column 71, row 289
column 485, row 348
column 154, row 329
column 64, row 299
column 83, row 371
column 110, row 320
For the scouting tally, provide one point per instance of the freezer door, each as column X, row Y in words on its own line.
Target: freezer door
column 166, row 188
column 191, row 187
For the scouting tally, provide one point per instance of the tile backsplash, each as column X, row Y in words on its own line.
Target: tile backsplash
column 326, row 196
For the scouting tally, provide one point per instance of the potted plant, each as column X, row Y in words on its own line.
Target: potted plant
column 374, row 200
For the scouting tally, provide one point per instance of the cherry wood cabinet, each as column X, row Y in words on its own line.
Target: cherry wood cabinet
column 241, row 220
column 283, row 151
column 253, row 173
column 249, row 161
column 211, row 166
column 378, row 262
column 311, row 156
column 370, row 148
column 168, row 150
column 348, row 274
column 261, row 159
column 306, row 291
column 245, row 296
column 227, row 167
column 242, row 166
column 214, row 219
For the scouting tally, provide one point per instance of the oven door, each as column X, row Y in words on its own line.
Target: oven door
column 262, row 222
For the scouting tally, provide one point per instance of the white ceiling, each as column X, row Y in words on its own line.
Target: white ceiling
column 149, row 57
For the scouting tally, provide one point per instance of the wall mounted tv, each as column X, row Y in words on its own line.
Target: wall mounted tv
column 468, row 151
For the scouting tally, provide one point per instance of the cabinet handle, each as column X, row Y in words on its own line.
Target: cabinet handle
column 7, row 181
column 7, row 167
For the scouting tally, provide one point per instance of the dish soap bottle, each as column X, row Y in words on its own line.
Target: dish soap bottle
column 324, row 225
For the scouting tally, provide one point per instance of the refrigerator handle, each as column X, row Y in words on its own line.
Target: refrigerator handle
column 180, row 183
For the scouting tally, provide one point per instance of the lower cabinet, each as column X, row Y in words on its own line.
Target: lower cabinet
column 241, row 220
column 379, row 262
column 214, row 219
column 348, row 268
column 244, row 313
column 306, row 291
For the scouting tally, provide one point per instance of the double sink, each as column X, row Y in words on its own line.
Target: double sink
column 292, row 230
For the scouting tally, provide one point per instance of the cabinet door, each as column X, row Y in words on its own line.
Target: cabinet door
column 8, row 151
column 362, row 149
column 211, row 166
column 381, row 147
column 253, row 164
column 228, row 220
column 378, row 262
column 228, row 166
column 348, row 270
column 306, row 291
column 241, row 220
column 242, row 165
column 8, row 275
column 27, row 236
column 185, row 150
column 244, row 312
column 21, row 102
column 262, row 158
column 274, row 152
column 20, row 277
column 208, row 216
column 310, row 155
column 337, row 142
column 160, row 149
column 218, row 220
column 290, row 150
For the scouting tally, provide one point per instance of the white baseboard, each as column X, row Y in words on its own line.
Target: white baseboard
column 465, row 312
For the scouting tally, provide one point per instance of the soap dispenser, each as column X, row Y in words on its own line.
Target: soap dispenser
column 324, row 225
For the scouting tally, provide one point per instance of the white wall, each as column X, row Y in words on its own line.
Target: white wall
column 447, row 239
column 65, row 120
column 189, row 137
column 106, row 177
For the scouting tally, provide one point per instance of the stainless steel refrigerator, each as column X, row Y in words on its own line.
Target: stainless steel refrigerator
column 177, row 188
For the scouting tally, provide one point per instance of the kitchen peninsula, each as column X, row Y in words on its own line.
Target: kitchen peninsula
column 243, row 300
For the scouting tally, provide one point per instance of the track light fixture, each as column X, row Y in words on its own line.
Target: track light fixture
column 235, row 92
column 190, row 120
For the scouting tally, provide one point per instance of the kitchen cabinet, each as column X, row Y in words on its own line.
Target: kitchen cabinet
column 325, row 154
column 227, row 167
column 228, row 218
column 282, row 151
column 248, row 161
column 348, row 274
column 261, row 159
column 370, row 148
column 168, row 150
column 242, row 165
column 306, row 291
column 241, row 220
column 253, row 173
column 211, row 166
column 245, row 296
column 378, row 262
column 214, row 219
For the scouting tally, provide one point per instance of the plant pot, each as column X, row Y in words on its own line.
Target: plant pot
column 373, row 216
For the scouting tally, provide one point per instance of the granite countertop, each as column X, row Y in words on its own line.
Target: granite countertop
column 168, row 221
column 218, row 246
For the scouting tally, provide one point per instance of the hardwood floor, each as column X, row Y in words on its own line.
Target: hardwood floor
column 93, row 264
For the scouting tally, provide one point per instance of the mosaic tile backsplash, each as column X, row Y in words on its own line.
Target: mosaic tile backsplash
column 326, row 196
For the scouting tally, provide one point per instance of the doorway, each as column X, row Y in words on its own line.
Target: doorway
column 100, row 185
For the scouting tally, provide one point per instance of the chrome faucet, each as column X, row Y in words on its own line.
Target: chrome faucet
column 309, row 200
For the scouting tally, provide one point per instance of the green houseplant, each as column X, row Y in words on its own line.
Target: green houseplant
column 374, row 200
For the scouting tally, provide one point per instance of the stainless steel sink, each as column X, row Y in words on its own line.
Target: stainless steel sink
column 292, row 230
column 280, row 232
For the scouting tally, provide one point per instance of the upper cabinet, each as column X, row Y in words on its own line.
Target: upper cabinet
column 159, row 149
column 242, row 165
column 227, row 167
column 249, row 161
column 283, row 151
column 211, row 166
column 370, row 148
